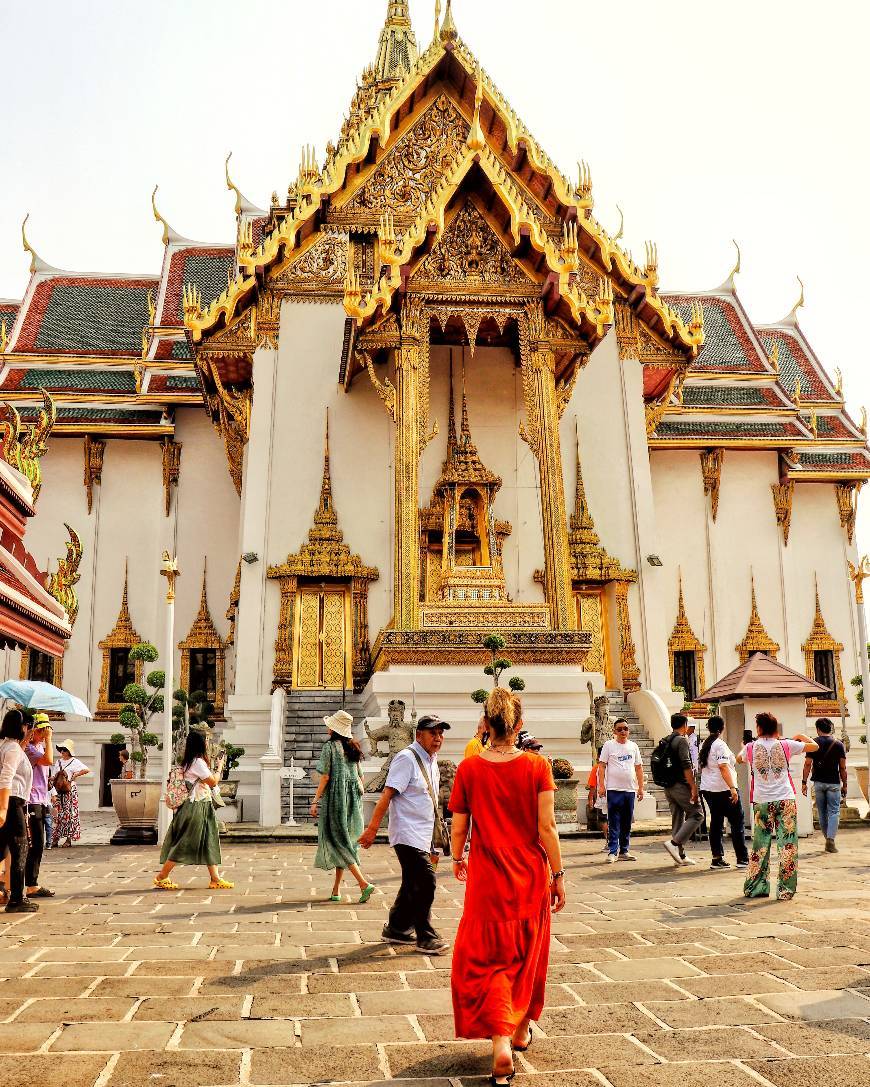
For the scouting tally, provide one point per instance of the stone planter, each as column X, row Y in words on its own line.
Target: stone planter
column 229, row 789
column 566, row 800
column 136, row 804
column 231, row 812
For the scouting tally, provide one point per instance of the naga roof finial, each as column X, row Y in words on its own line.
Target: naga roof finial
column 449, row 33
column 37, row 264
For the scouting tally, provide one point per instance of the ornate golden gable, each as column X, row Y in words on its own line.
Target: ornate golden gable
column 323, row 555
column 123, row 635
column 204, row 635
column 756, row 639
column 684, row 640
column 820, row 638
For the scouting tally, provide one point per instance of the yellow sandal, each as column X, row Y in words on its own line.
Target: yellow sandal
column 165, row 885
column 220, row 885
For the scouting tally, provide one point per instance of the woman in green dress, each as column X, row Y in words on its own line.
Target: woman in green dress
column 337, row 807
column 193, row 836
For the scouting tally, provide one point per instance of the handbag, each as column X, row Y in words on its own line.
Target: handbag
column 440, row 831
column 61, row 782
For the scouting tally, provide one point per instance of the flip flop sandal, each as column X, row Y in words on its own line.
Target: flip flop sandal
column 335, row 898
column 165, row 885
column 522, row 1048
column 41, row 892
column 367, row 893
column 501, row 1081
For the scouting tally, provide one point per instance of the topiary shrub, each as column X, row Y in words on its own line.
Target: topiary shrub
column 140, row 706
column 495, row 644
column 562, row 770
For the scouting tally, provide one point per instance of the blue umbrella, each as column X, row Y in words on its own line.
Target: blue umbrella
column 36, row 695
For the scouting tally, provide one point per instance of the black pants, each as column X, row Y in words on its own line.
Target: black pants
column 721, row 808
column 413, row 906
column 36, row 816
column 13, row 839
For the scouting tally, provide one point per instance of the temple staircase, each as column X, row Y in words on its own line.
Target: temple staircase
column 618, row 707
column 304, row 736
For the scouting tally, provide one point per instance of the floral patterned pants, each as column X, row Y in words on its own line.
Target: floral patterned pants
column 776, row 818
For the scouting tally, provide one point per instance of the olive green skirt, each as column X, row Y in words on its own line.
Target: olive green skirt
column 193, row 836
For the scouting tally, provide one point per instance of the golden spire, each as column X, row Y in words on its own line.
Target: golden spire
column 451, row 419
column 465, row 428
column 397, row 48
column 123, row 634
column 203, row 634
column 683, row 639
column 449, row 33
column 756, row 639
column 325, row 525
column 589, row 560
column 582, row 524
column 437, row 20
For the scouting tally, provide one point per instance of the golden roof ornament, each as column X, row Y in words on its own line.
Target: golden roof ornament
column 618, row 235
column 449, row 33
column 583, row 192
column 437, row 20
column 23, row 446
column 796, row 396
column 791, row 317
column 774, row 356
column 203, row 634
column 476, row 140
column 123, row 634
column 756, row 639
column 170, row 236
column 589, row 560
column 397, row 49
column 728, row 285
column 4, row 337
column 651, row 268
column 838, row 388
column 37, row 264
column 61, row 584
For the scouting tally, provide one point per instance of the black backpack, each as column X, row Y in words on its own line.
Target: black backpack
column 664, row 765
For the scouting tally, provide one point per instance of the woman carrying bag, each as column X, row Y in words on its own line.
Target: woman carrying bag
column 337, row 807
column 193, row 836
column 67, row 770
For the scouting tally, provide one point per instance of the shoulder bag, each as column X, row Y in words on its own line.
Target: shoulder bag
column 440, row 832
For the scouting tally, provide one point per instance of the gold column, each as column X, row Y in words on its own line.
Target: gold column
column 284, row 641
column 406, row 566
column 627, row 652
column 541, row 433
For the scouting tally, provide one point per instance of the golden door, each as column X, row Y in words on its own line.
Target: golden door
column 321, row 638
column 592, row 617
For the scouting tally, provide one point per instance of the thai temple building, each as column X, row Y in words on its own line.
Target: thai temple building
column 421, row 397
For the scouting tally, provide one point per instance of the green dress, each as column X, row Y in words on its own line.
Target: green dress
column 340, row 820
column 193, row 836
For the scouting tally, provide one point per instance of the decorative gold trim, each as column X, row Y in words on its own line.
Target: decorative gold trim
column 323, row 555
column 783, row 497
column 56, row 671
column 23, row 446
column 684, row 640
column 627, row 650
column 123, row 635
column 756, row 639
column 233, row 607
column 204, row 635
column 847, row 506
column 711, row 473
column 171, row 470
column 94, row 448
column 821, row 639
column 61, row 584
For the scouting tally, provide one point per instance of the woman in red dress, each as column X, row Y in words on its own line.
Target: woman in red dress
column 514, row 876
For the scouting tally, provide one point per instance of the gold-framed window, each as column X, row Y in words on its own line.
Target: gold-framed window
column 822, row 663
column 686, row 659
column 203, row 656
column 117, row 670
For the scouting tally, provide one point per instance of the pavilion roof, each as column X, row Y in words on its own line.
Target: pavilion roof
column 761, row 677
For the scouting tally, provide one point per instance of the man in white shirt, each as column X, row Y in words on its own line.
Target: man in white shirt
column 620, row 773
column 412, row 824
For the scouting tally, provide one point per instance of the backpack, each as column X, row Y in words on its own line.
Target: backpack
column 664, row 765
column 60, row 782
column 177, row 789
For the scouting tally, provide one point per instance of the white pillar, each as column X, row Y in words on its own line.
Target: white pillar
column 170, row 572
column 272, row 764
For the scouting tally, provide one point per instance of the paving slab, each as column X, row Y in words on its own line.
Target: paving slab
column 816, row 1072
column 711, row 1074
column 310, row 1065
column 72, row 1070
column 715, row 1012
column 810, row 1039
column 176, row 1070
column 816, row 1005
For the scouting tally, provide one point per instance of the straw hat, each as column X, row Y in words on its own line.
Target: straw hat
column 67, row 745
column 341, row 723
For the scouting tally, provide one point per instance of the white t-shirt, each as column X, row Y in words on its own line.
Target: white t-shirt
column 711, row 778
column 194, row 774
column 768, row 759
column 619, row 761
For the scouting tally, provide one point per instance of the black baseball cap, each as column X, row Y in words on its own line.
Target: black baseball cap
column 431, row 722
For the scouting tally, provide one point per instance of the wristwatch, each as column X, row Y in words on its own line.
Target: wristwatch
column 457, row 861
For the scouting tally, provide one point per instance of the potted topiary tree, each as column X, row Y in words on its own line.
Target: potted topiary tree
column 495, row 645
column 136, row 801
column 232, row 760
column 565, row 800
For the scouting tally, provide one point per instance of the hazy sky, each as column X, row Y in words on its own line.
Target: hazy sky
column 704, row 121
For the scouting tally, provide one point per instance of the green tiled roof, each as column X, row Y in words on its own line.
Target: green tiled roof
column 181, row 351
column 727, row 395
column 716, row 429
column 8, row 315
column 93, row 318
column 844, row 459
column 100, row 415
column 182, row 384
column 120, row 381
column 723, row 348
column 209, row 273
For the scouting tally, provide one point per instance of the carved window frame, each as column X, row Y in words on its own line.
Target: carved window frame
column 122, row 636
column 820, row 638
column 203, row 635
column 57, row 668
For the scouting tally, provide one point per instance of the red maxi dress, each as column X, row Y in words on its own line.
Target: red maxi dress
column 502, row 948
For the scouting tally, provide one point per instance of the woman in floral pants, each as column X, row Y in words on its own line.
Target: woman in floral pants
column 774, row 804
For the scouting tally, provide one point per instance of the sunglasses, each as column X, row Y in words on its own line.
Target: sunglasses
column 621, row 729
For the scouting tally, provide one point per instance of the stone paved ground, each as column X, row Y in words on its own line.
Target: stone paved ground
column 659, row 977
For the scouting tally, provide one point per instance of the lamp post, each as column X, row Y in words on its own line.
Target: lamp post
column 858, row 574
column 170, row 571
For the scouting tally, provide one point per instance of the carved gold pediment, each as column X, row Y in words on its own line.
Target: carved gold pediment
column 322, row 267
column 415, row 166
column 470, row 256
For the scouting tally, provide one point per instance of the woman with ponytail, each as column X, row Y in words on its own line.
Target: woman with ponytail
column 514, row 878
column 339, row 817
column 719, row 788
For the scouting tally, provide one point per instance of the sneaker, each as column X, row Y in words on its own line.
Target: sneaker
column 742, row 864
column 627, row 857
column 831, row 846
column 687, row 860
column 719, row 862
column 24, row 906
column 433, row 946
column 674, row 852
column 397, row 937
column 611, row 858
